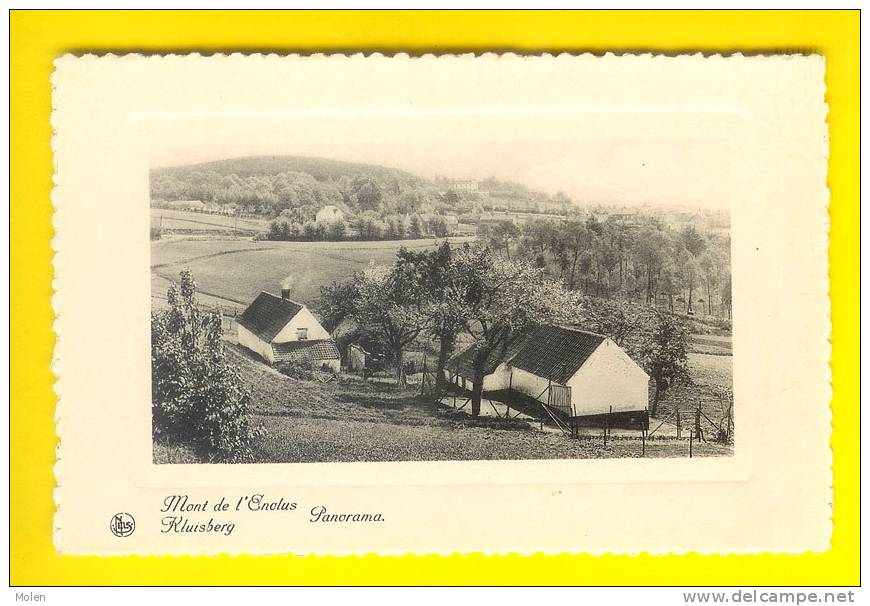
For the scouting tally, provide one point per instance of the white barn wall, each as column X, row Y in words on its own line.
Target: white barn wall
column 500, row 378
column 609, row 378
column 530, row 384
column 303, row 319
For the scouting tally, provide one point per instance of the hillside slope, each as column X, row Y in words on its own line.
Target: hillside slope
column 322, row 169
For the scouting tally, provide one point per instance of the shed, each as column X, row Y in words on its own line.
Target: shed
column 357, row 358
column 280, row 330
column 577, row 372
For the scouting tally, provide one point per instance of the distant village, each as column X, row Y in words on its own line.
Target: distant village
column 480, row 206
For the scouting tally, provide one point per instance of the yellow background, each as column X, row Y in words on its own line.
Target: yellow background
column 37, row 37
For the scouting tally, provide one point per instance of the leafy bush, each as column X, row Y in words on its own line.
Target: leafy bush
column 300, row 372
column 197, row 398
column 303, row 371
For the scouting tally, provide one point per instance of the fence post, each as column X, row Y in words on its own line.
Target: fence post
column 609, row 412
column 691, row 439
column 678, row 424
column 698, row 422
column 643, row 442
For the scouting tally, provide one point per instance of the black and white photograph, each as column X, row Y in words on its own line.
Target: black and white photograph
column 426, row 302
column 346, row 304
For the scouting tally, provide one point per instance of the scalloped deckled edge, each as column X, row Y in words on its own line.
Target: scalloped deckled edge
column 56, row 297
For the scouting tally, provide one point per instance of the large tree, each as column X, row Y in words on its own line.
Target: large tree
column 500, row 236
column 436, row 272
column 664, row 353
column 726, row 293
column 711, row 265
column 687, row 271
column 498, row 300
column 649, row 257
column 394, row 300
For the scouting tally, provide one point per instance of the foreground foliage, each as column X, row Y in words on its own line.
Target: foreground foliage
column 197, row 398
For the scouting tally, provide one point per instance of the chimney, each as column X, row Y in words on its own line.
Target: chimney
column 285, row 294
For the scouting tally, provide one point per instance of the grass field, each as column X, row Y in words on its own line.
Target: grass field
column 182, row 220
column 232, row 272
column 711, row 344
column 307, row 421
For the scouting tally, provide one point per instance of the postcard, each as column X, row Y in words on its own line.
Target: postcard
column 348, row 304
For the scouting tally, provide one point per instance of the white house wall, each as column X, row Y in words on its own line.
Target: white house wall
column 254, row 343
column 303, row 319
column 609, row 378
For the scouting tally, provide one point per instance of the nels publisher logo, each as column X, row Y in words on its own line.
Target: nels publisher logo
column 122, row 525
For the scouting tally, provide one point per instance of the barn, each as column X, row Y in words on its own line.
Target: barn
column 280, row 330
column 577, row 373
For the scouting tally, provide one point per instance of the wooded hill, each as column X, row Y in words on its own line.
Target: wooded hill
column 268, row 185
column 322, row 169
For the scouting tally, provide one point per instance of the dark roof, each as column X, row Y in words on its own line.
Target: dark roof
column 306, row 351
column 461, row 363
column 550, row 352
column 556, row 353
column 268, row 314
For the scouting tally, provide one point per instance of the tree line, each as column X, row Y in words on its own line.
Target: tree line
column 490, row 301
column 384, row 193
column 645, row 259
column 363, row 226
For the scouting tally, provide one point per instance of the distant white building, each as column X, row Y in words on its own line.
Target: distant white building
column 464, row 186
column 280, row 330
column 329, row 214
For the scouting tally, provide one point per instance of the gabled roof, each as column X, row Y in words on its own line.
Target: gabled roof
column 305, row 351
column 461, row 363
column 550, row 352
column 555, row 352
column 268, row 314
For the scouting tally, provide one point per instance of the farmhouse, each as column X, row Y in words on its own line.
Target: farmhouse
column 280, row 330
column 577, row 373
column 329, row 214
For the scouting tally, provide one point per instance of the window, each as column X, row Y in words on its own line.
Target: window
column 301, row 333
